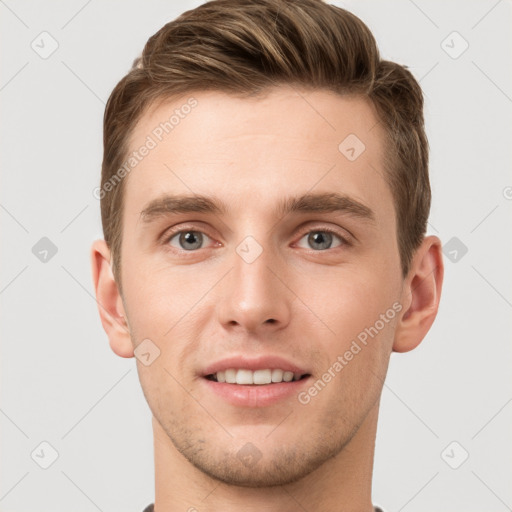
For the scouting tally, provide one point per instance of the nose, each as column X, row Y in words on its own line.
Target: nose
column 254, row 295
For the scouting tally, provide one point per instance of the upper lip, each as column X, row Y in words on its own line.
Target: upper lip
column 253, row 363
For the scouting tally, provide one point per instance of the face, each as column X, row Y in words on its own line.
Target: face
column 244, row 275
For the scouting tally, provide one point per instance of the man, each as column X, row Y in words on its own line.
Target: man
column 264, row 202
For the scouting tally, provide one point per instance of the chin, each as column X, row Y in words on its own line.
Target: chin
column 248, row 467
column 264, row 476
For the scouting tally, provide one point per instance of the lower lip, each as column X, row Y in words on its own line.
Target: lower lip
column 264, row 395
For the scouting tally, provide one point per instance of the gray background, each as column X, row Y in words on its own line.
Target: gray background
column 61, row 384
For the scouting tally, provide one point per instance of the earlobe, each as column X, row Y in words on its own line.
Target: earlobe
column 108, row 298
column 421, row 295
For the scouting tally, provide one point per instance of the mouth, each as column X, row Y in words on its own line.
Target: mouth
column 254, row 382
column 260, row 377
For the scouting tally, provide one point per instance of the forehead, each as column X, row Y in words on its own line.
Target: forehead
column 289, row 141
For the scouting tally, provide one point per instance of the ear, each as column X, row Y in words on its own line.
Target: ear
column 110, row 304
column 420, row 295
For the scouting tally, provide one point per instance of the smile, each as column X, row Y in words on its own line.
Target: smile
column 256, row 377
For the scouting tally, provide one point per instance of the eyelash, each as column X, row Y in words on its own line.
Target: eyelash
column 169, row 235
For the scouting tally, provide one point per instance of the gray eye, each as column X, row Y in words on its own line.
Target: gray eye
column 320, row 240
column 188, row 240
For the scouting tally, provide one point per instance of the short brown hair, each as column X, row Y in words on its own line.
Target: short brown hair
column 245, row 47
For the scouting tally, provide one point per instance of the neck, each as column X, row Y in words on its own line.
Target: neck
column 341, row 483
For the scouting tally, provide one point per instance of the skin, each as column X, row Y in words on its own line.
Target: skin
column 201, row 305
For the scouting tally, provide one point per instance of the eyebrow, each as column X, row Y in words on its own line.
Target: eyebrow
column 306, row 203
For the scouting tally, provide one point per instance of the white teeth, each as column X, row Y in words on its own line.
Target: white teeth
column 277, row 375
column 259, row 377
column 262, row 377
column 244, row 377
column 231, row 376
column 288, row 376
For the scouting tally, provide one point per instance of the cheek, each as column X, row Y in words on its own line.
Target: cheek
column 357, row 351
column 164, row 305
column 349, row 304
column 157, row 296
